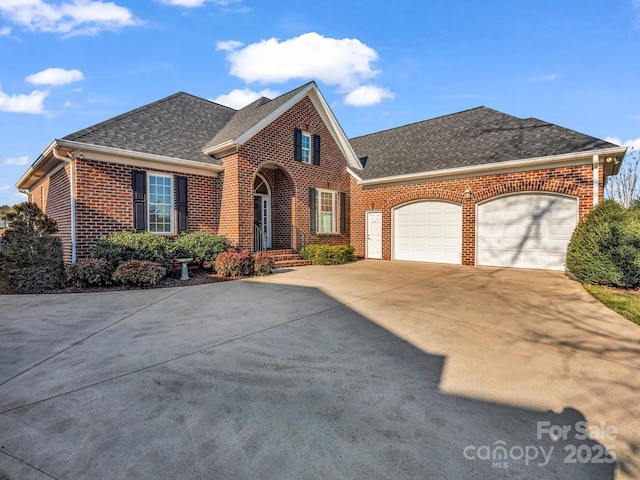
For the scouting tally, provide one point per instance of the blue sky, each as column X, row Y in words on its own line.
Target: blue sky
column 69, row 64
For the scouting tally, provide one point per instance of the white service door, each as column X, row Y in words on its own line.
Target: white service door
column 374, row 235
column 428, row 231
column 529, row 230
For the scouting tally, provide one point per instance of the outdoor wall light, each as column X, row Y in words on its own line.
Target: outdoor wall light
column 467, row 193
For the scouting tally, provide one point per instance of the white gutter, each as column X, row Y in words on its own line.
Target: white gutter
column 141, row 156
column 596, row 180
column 538, row 162
column 72, row 187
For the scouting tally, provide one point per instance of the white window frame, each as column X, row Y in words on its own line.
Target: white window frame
column 170, row 205
column 306, row 152
column 334, row 211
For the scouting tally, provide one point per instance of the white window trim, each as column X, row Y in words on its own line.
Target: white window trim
column 172, row 204
column 334, row 211
column 309, row 159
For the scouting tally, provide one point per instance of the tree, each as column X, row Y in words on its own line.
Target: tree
column 31, row 259
column 5, row 212
column 624, row 187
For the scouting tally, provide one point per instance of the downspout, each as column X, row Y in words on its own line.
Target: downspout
column 72, row 182
column 596, row 179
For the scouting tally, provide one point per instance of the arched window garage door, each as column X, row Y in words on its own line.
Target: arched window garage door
column 428, row 231
column 526, row 230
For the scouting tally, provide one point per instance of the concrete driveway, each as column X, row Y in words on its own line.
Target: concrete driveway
column 367, row 370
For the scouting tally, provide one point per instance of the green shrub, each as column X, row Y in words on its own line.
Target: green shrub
column 234, row 263
column 32, row 260
column 121, row 247
column 90, row 272
column 605, row 246
column 202, row 247
column 138, row 273
column 329, row 254
column 263, row 263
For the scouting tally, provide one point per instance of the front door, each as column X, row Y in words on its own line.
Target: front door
column 374, row 235
column 262, row 217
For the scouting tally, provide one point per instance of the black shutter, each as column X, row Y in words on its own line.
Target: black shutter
column 312, row 210
column 139, row 186
column 343, row 212
column 181, row 204
column 297, row 144
column 316, row 149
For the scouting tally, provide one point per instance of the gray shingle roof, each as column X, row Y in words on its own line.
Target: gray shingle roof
column 177, row 126
column 472, row 137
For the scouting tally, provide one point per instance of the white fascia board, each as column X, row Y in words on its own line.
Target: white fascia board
column 128, row 157
column 537, row 163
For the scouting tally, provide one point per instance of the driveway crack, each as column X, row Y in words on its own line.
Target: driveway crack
column 24, row 462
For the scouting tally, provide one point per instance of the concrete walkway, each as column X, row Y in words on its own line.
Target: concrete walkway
column 367, row 370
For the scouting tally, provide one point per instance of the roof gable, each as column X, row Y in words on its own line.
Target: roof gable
column 479, row 136
column 250, row 120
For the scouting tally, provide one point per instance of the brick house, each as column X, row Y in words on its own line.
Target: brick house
column 477, row 187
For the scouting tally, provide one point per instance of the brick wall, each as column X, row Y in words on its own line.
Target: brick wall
column 53, row 196
column 576, row 181
column 270, row 153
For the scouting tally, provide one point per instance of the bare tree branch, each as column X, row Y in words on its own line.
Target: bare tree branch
column 625, row 186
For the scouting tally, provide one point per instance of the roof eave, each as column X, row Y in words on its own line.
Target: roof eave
column 46, row 162
column 515, row 165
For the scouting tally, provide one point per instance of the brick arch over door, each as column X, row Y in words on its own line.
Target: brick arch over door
column 426, row 194
column 283, row 195
column 521, row 186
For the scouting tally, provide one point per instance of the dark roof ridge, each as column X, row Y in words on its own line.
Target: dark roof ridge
column 481, row 107
column 117, row 118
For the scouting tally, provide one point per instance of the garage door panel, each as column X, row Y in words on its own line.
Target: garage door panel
column 525, row 231
column 428, row 231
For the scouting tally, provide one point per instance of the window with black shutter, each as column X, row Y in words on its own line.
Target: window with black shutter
column 316, row 149
column 139, row 186
column 312, row 210
column 297, row 142
column 181, row 204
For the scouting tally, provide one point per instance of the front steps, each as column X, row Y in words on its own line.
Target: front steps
column 286, row 258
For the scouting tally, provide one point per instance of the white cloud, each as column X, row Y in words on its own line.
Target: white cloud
column 7, row 187
column 5, row 31
column 55, row 76
column 228, row 45
column 367, row 95
column 547, row 77
column 16, row 160
column 31, row 103
column 633, row 143
column 239, row 98
column 345, row 62
column 77, row 17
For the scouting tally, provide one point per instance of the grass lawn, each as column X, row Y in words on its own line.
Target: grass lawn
column 626, row 304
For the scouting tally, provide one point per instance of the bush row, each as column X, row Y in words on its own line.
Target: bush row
column 329, row 254
column 121, row 247
column 241, row 263
column 96, row 272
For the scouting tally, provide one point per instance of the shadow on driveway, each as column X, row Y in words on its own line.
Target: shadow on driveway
column 252, row 380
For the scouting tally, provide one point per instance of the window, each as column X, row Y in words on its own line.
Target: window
column 326, row 211
column 160, row 204
column 306, row 148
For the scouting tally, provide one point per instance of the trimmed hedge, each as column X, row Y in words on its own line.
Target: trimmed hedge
column 234, row 263
column 139, row 273
column 605, row 247
column 329, row 254
column 124, row 246
column 202, row 247
column 90, row 272
column 263, row 263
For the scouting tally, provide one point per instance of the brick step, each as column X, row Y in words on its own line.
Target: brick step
column 292, row 263
column 286, row 256
column 282, row 251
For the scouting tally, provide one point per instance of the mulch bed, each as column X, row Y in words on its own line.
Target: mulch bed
column 196, row 277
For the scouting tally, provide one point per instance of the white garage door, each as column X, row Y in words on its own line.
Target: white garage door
column 529, row 230
column 428, row 231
